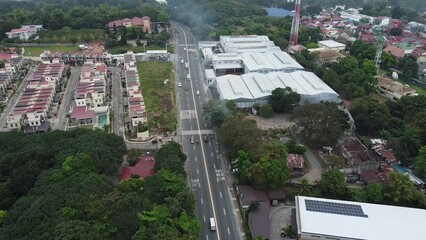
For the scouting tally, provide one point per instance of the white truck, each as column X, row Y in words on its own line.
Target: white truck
column 188, row 77
column 212, row 225
column 186, row 65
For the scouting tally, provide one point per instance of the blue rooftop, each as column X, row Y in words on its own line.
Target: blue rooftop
column 279, row 12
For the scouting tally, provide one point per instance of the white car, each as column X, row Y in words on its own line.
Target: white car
column 184, row 49
column 198, row 92
column 181, row 61
column 179, row 84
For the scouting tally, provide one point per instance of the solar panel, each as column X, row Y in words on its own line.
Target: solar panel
column 335, row 208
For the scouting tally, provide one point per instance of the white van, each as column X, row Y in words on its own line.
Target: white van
column 212, row 225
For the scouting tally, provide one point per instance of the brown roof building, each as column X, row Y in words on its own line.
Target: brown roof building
column 392, row 89
column 395, row 51
column 143, row 22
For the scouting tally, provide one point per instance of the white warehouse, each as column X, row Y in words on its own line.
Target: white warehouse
column 251, row 88
column 247, row 43
column 319, row 218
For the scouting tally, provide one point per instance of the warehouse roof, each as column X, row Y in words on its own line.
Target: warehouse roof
column 233, row 87
column 356, row 220
column 331, row 44
column 278, row 61
column 247, row 43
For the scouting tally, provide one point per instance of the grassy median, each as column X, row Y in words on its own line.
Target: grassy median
column 159, row 96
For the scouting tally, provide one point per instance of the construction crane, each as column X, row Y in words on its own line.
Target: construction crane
column 294, row 34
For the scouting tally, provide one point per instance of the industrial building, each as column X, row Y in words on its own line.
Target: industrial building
column 247, row 43
column 318, row 218
column 251, row 88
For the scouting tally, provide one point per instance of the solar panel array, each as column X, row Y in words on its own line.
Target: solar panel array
column 335, row 208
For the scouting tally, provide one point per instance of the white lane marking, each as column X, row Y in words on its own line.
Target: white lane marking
column 202, row 202
column 220, row 193
column 205, row 124
column 196, row 159
column 224, row 212
column 210, row 145
column 191, row 126
column 212, row 203
column 194, row 147
column 214, row 166
column 207, row 237
column 229, row 232
column 211, row 154
column 198, row 171
column 204, row 217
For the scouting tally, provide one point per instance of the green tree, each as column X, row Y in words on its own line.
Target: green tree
column 400, row 189
column 369, row 67
column 2, row 216
column 409, row 67
column 266, row 111
column 133, row 156
column 373, row 193
column 322, row 124
column 387, row 61
column 420, row 163
column 333, row 80
column 312, row 45
column 283, row 99
column 238, row 133
column 346, row 65
column 82, row 162
column 332, row 185
column 370, row 116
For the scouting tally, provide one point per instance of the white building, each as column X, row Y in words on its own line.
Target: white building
column 318, row 218
column 247, row 43
column 269, row 62
column 25, row 32
column 331, row 44
column 226, row 63
column 251, row 88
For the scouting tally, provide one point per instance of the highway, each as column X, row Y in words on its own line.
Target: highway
column 206, row 173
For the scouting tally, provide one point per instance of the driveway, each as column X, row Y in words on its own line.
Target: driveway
column 279, row 217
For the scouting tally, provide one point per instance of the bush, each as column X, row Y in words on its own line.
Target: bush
column 266, row 111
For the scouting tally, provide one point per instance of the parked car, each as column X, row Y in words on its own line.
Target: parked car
column 192, row 140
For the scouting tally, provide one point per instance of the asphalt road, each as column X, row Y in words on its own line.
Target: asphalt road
column 67, row 100
column 117, row 101
column 205, row 170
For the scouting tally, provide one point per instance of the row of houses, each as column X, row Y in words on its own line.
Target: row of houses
column 79, row 57
column 134, row 102
column 12, row 63
column 25, row 32
column 90, row 107
column 32, row 109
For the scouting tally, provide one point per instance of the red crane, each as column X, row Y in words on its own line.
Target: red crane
column 295, row 25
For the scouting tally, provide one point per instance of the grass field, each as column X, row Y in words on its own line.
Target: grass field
column 35, row 51
column 159, row 97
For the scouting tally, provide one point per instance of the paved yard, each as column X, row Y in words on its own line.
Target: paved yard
column 279, row 217
column 281, row 121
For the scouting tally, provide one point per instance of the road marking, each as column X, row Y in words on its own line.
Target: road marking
column 204, row 217
column 224, row 212
column 196, row 160
column 210, row 145
column 217, row 233
column 214, row 166
column 207, row 237
column 202, row 202
column 194, row 147
column 211, row 154
column 220, row 193
column 229, row 232
column 205, row 124
column 198, row 171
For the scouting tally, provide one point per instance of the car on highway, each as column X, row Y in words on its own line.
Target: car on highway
column 186, row 88
column 181, row 61
column 184, row 49
column 179, row 84
column 192, row 140
column 198, row 92
column 212, row 225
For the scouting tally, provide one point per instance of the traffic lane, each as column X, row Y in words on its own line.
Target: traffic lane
column 200, row 188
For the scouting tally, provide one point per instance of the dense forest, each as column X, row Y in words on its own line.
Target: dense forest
column 59, row 186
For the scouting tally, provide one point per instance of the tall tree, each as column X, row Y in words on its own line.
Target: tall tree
column 420, row 164
column 322, row 124
column 332, row 185
column 370, row 116
column 283, row 99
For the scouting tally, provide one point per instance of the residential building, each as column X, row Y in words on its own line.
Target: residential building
column 398, row 53
column 326, row 56
column 82, row 115
column 25, row 32
column 144, row 23
column 91, row 89
column 143, row 168
column 31, row 108
column 77, row 57
column 46, row 75
column 394, row 90
column 347, row 220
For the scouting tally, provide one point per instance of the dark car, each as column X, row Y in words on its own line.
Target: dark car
column 206, row 139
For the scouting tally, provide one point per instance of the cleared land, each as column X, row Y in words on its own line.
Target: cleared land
column 35, row 51
column 159, row 97
column 67, row 34
column 138, row 49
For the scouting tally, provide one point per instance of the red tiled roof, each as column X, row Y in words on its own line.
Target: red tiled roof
column 397, row 52
column 81, row 112
column 144, row 167
column 5, row 56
